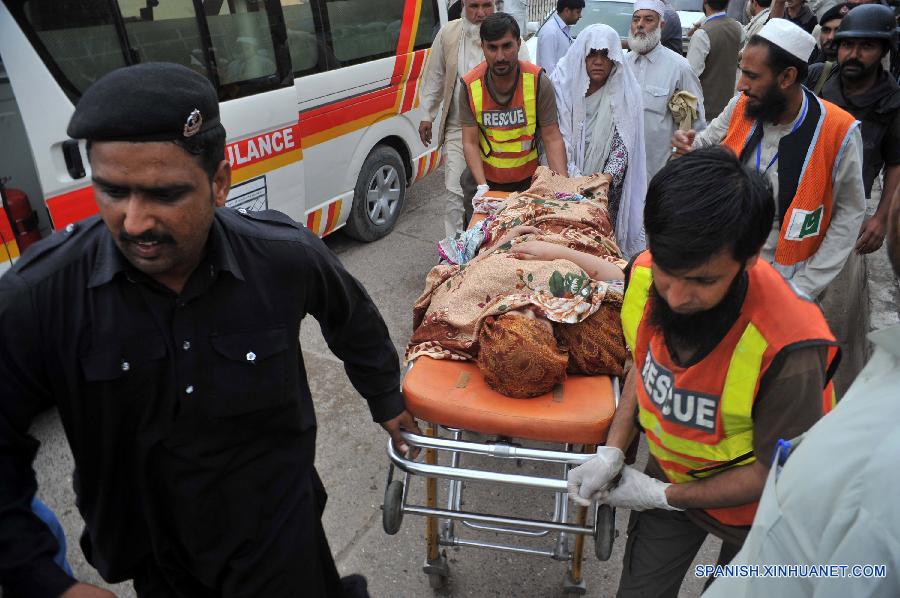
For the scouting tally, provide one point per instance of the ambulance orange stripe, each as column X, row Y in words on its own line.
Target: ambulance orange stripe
column 420, row 169
column 316, row 221
column 412, row 82
column 408, row 30
column 345, row 117
column 332, row 218
column 248, row 172
column 9, row 250
column 71, row 207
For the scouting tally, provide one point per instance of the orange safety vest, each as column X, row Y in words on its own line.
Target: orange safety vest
column 507, row 139
column 806, row 218
column 699, row 420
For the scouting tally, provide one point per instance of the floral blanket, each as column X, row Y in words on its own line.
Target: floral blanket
column 449, row 314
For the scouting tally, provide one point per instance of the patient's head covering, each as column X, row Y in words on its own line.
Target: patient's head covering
column 596, row 345
column 519, row 356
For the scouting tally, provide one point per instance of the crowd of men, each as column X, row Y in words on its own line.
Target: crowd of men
column 736, row 202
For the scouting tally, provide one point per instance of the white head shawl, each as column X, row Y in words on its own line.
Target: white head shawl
column 571, row 81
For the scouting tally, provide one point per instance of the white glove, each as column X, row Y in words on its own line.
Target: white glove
column 480, row 191
column 638, row 491
column 592, row 477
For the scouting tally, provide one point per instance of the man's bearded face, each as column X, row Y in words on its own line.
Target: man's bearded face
column 768, row 106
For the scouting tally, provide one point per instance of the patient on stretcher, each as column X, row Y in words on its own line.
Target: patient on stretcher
column 532, row 292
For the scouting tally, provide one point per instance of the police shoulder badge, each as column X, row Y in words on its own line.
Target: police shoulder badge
column 193, row 123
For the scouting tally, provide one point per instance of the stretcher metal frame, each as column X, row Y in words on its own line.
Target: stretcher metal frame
column 441, row 529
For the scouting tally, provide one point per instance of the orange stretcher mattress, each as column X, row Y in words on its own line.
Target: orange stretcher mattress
column 454, row 394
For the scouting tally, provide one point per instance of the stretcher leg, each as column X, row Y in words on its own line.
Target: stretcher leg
column 436, row 566
column 431, row 523
column 575, row 579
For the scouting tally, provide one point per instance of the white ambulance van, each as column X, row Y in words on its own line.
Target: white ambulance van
column 320, row 99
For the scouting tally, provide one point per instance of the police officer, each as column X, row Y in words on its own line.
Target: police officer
column 861, row 86
column 165, row 331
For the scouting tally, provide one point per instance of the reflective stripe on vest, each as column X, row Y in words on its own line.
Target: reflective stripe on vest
column 636, row 296
column 508, row 152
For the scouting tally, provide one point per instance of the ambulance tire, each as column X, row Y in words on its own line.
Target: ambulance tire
column 378, row 196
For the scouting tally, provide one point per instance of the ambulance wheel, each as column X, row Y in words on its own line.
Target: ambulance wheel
column 604, row 532
column 392, row 511
column 379, row 194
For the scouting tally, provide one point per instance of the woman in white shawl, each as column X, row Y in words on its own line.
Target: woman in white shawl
column 601, row 120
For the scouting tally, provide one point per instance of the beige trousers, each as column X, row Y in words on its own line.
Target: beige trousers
column 454, row 165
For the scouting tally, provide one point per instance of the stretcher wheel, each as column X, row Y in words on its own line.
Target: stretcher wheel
column 436, row 581
column 438, row 571
column 604, row 531
column 392, row 511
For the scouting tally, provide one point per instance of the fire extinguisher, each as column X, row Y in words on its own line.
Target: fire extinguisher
column 22, row 219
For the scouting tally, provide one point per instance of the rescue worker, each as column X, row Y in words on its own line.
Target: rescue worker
column 861, row 86
column 834, row 501
column 505, row 108
column 165, row 331
column 456, row 51
column 719, row 375
column 772, row 126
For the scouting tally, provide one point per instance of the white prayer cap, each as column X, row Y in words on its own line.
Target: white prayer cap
column 654, row 5
column 789, row 37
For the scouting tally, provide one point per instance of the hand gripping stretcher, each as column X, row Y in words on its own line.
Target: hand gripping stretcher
column 452, row 397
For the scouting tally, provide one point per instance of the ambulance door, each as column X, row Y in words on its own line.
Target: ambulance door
column 259, row 105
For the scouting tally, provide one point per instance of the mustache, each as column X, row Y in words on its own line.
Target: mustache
column 853, row 62
column 146, row 237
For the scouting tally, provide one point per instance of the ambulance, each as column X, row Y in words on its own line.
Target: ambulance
column 320, row 100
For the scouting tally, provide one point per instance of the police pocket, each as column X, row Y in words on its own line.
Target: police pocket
column 656, row 99
column 249, row 371
column 123, row 361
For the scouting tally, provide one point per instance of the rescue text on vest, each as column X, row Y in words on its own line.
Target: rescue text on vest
column 681, row 406
column 514, row 117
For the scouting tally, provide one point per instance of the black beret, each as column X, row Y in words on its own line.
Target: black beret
column 838, row 11
column 153, row 101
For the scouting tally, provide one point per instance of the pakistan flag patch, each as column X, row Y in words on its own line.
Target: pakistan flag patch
column 804, row 224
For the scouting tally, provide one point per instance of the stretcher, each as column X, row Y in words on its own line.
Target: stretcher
column 463, row 418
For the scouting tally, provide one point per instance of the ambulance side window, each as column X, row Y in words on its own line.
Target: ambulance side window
column 167, row 32
column 364, row 30
column 77, row 39
column 305, row 37
column 240, row 36
column 429, row 23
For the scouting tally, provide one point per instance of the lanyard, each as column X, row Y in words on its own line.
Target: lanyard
column 793, row 130
column 563, row 29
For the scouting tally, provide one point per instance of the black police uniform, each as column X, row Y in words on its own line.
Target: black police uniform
column 189, row 416
column 878, row 111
